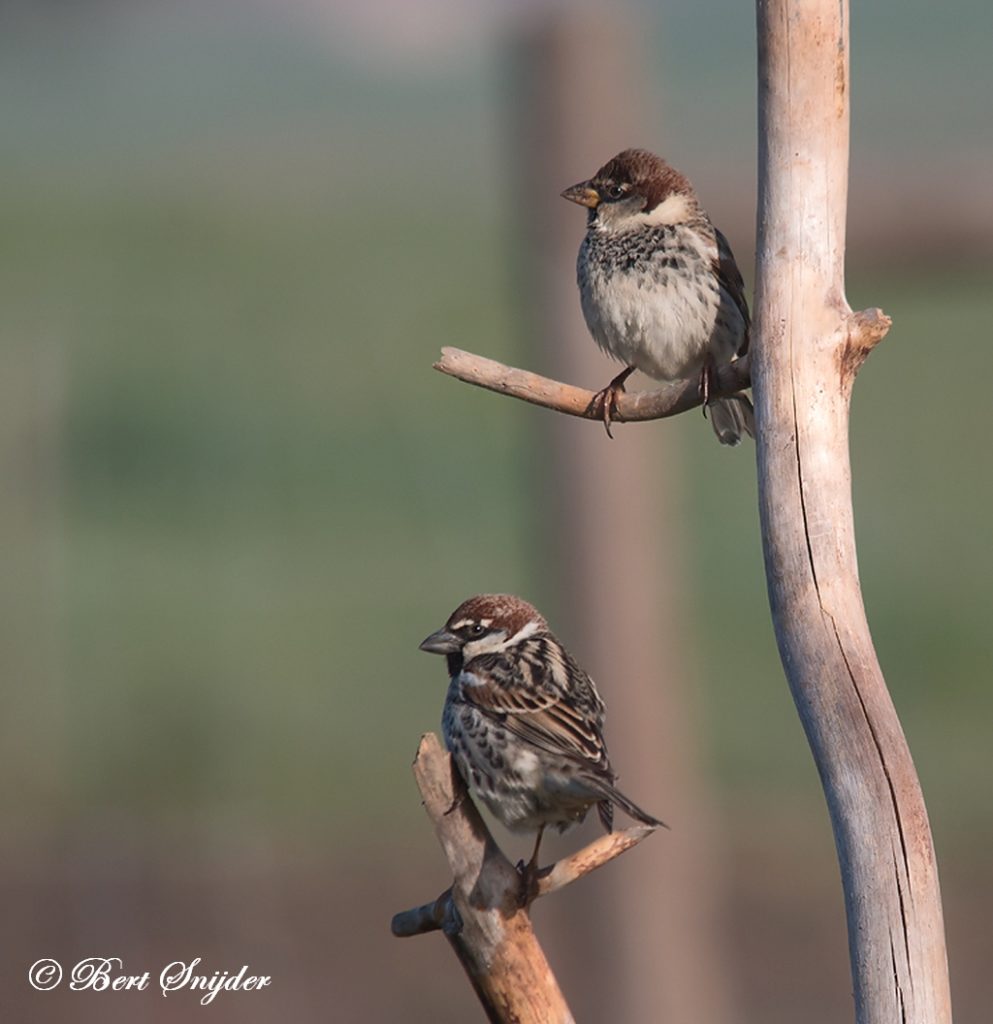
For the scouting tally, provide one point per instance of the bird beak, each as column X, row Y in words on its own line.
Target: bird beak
column 441, row 642
column 584, row 194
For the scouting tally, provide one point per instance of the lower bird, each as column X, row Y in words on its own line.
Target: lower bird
column 523, row 721
column 659, row 286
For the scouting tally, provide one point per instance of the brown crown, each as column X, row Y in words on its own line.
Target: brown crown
column 504, row 610
column 647, row 174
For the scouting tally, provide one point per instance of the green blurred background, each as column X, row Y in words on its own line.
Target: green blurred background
column 233, row 239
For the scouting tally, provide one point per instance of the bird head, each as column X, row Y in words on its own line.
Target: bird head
column 485, row 624
column 634, row 189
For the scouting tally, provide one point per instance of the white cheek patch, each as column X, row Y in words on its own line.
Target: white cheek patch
column 485, row 645
column 498, row 641
column 673, row 209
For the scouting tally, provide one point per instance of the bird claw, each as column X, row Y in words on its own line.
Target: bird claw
column 529, row 873
column 456, row 803
column 529, row 882
column 604, row 401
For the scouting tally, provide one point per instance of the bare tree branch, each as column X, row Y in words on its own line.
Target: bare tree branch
column 601, row 851
column 632, row 406
column 484, row 914
column 438, row 915
column 807, row 347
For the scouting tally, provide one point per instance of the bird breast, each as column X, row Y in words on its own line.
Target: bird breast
column 651, row 299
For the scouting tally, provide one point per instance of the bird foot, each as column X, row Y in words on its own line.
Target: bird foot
column 529, row 873
column 605, row 400
column 529, row 882
column 456, row 803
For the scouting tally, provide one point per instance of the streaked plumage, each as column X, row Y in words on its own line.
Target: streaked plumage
column 659, row 286
column 522, row 720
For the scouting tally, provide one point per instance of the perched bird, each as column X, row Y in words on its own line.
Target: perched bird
column 659, row 286
column 523, row 721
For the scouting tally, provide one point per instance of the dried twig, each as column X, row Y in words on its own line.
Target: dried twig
column 601, row 851
column 632, row 406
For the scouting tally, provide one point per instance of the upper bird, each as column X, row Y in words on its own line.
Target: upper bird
column 523, row 721
column 659, row 286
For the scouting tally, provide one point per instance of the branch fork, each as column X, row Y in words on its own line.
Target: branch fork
column 484, row 914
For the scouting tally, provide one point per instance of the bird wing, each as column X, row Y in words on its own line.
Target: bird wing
column 545, row 699
column 730, row 279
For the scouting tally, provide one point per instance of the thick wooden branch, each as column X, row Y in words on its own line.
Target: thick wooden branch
column 632, row 406
column 806, row 350
column 484, row 914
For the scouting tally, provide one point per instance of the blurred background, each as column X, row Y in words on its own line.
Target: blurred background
column 234, row 237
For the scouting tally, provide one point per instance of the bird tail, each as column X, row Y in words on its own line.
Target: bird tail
column 612, row 796
column 731, row 418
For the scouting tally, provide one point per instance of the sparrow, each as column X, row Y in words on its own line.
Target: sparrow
column 658, row 284
column 523, row 721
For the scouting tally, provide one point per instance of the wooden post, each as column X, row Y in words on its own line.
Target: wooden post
column 33, row 710
column 806, row 350
column 610, row 535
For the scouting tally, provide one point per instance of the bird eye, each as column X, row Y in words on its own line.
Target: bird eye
column 476, row 629
column 615, row 191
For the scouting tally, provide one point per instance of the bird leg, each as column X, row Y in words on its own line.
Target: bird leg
column 529, row 872
column 532, row 864
column 706, row 381
column 605, row 400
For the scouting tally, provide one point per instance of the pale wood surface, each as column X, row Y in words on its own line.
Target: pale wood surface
column 806, row 349
column 632, row 406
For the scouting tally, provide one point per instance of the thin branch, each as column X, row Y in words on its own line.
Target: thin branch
column 438, row 914
column 632, row 406
column 601, row 851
